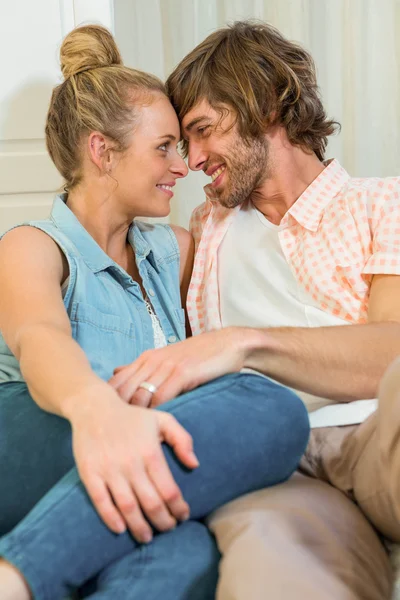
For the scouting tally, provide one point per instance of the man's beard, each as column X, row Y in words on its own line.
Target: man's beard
column 246, row 169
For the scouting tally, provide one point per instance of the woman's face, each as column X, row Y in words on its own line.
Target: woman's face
column 147, row 171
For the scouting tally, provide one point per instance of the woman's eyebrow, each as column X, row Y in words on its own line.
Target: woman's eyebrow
column 168, row 136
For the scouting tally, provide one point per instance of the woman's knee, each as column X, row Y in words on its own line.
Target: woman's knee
column 280, row 418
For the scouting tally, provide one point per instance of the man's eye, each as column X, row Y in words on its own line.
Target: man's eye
column 202, row 130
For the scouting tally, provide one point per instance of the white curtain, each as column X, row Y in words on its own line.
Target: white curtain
column 355, row 44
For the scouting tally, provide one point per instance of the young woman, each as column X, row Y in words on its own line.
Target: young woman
column 86, row 291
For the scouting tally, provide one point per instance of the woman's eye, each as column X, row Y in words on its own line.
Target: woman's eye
column 163, row 147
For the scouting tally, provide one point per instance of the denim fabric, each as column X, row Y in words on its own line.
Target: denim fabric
column 181, row 564
column 108, row 315
column 35, row 452
column 248, row 432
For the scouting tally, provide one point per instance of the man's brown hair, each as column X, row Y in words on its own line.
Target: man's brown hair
column 265, row 78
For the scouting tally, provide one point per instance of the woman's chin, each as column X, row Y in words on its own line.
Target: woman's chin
column 156, row 214
column 161, row 214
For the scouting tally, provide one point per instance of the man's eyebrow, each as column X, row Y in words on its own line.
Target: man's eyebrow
column 195, row 121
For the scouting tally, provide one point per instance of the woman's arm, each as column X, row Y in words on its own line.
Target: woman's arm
column 120, row 466
column 186, row 250
column 35, row 324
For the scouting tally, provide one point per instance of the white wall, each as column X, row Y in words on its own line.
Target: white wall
column 30, row 36
column 356, row 45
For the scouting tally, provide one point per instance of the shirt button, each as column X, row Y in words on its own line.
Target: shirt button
column 172, row 339
column 151, row 292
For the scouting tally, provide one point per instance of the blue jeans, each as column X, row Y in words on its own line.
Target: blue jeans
column 36, row 451
column 248, row 433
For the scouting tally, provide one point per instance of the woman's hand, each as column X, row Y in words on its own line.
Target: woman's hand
column 118, row 453
column 181, row 367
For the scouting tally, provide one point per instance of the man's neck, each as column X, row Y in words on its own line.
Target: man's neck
column 292, row 171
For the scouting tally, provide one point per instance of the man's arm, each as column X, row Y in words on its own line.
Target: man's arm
column 342, row 363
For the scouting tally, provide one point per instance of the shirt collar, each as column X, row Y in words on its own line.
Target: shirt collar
column 308, row 208
column 95, row 258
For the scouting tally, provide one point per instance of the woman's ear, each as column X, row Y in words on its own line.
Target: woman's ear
column 99, row 151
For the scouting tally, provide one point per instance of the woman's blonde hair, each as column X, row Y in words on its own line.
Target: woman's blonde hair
column 98, row 94
column 266, row 79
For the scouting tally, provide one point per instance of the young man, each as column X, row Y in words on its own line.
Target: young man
column 297, row 272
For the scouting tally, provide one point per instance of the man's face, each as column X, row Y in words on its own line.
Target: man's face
column 236, row 167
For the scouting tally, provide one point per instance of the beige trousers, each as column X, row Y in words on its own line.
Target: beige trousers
column 318, row 536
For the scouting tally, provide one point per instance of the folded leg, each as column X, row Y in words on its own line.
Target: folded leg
column 248, row 432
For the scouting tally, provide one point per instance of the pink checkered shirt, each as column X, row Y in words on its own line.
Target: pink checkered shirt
column 339, row 233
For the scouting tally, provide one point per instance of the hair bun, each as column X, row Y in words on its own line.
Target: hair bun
column 88, row 47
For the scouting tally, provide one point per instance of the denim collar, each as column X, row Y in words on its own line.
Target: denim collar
column 95, row 258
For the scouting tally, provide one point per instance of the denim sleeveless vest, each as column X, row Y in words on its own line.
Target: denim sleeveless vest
column 108, row 315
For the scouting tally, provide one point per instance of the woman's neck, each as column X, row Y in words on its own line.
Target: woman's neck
column 102, row 220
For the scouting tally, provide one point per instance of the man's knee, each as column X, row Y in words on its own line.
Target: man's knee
column 300, row 539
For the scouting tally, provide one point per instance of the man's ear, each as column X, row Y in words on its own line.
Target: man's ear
column 100, row 151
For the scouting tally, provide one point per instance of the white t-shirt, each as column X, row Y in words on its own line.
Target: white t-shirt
column 258, row 289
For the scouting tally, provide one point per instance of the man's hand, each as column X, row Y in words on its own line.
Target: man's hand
column 181, row 367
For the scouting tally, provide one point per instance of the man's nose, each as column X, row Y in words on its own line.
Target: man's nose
column 197, row 156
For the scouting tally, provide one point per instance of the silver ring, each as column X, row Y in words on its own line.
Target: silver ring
column 148, row 386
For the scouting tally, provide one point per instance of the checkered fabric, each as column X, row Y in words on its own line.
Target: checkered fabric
column 338, row 234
